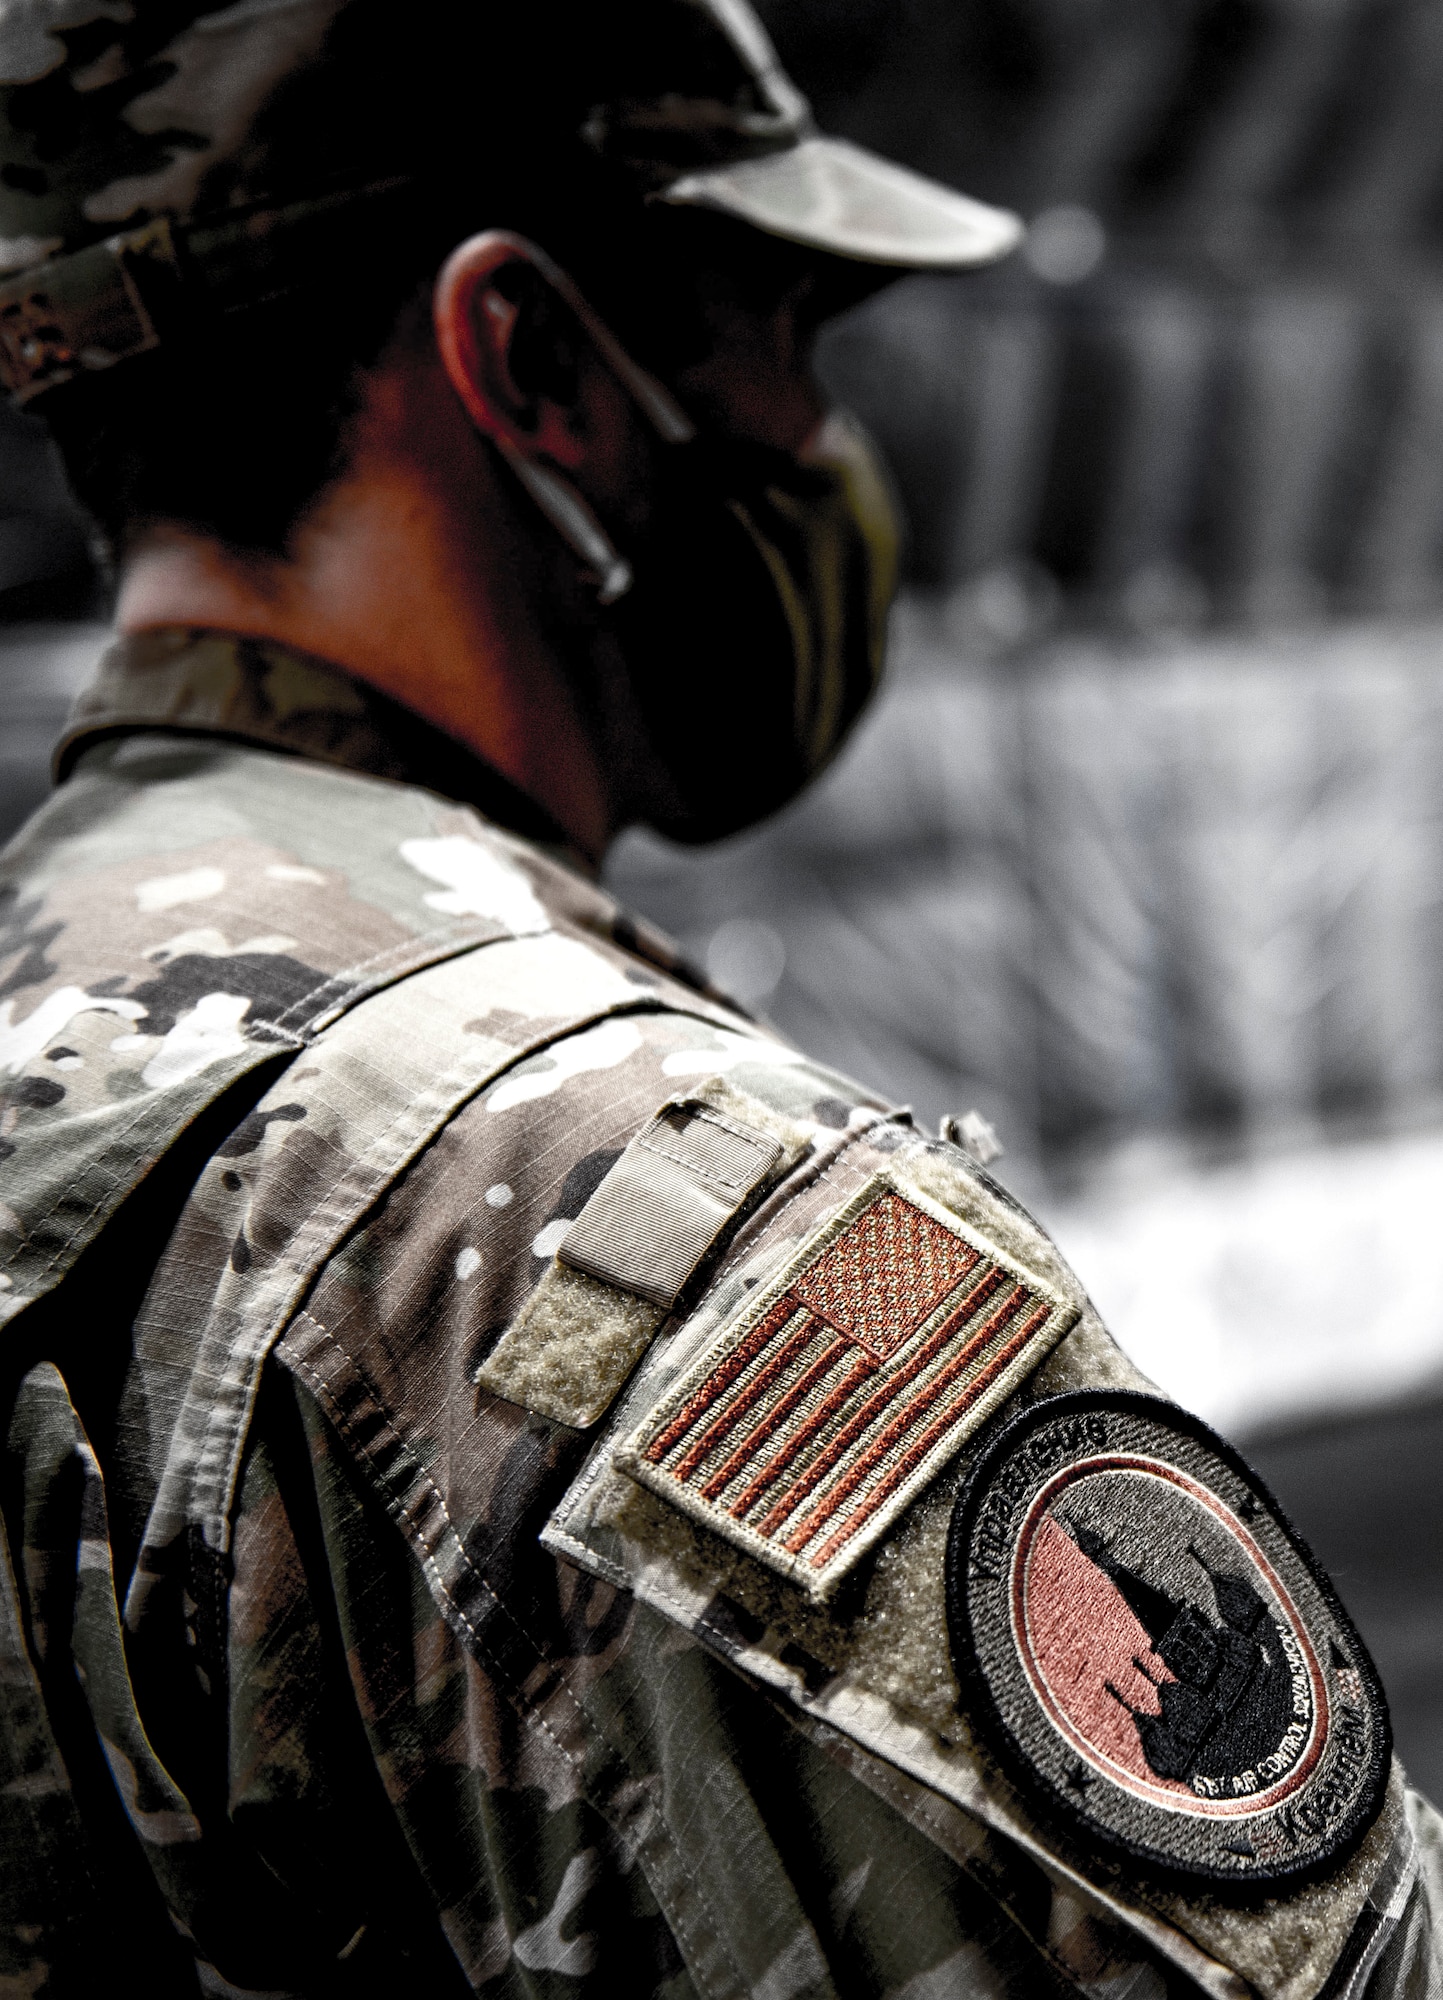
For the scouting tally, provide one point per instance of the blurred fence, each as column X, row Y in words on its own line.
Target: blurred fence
column 1212, row 386
column 1159, row 448
column 1188, row 882
column 42, row 669
column 1221, row 117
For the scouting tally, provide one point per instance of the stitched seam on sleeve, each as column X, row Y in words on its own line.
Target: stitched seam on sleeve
column 374, row 962
column 402, row 1513
column 456, row 1088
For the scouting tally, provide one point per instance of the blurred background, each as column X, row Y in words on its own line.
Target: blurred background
column 1141, row 852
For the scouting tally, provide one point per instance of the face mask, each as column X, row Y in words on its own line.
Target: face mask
column 745, row 631
column 754, row 627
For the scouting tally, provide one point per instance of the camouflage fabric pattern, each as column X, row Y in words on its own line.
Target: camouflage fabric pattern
column 182, row 917
column 299, row 1695
column 166, row 163
column 112, row 113
column 265, row 695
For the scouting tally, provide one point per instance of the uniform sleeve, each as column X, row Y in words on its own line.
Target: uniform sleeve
column 1409, row 1949
column 543, row 1726
column 629, row 1537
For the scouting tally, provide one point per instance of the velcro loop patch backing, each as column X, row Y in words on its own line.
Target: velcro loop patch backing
column 571, row 1348
column 846, row 1383
column 663, row 1205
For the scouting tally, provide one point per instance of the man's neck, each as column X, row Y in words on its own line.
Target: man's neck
column 392, row 581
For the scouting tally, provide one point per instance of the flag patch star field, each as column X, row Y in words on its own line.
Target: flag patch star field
column 1151, row 1651
column 846, row 1384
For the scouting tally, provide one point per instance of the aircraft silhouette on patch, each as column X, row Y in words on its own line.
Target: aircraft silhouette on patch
column 1165, row 1680
column 1230, row 1698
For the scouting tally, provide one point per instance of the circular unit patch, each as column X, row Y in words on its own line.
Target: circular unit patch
column 1153, row 1653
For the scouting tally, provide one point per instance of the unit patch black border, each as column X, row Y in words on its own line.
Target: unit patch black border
column 1153, row 1653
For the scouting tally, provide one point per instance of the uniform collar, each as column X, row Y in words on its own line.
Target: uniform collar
column 214, row 684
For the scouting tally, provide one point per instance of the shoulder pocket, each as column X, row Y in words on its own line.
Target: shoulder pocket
column 680, row 1185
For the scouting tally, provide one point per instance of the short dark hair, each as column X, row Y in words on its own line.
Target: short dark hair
column 236, row 429
column 233, row 434
column 549, row 117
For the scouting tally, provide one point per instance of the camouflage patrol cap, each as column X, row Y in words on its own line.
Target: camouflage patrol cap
column 163, row 159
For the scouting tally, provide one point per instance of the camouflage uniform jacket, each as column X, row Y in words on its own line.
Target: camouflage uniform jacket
column 368, row 1178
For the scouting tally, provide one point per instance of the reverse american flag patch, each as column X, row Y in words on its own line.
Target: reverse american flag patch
column 846, row 1384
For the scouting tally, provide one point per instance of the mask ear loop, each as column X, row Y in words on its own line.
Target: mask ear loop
column 574, row 521
column 564, row 507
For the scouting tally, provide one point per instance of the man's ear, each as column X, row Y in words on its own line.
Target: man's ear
column 510, row 341
column 520, row 346
column 517, row 341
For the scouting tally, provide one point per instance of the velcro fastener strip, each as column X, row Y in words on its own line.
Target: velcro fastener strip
column 667, row 1199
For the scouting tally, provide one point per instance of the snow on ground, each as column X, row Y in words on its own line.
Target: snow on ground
column 1262, row 1291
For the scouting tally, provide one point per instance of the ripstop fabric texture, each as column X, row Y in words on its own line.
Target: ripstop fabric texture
column 344, row 1650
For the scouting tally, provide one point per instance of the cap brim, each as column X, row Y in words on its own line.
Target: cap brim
column 834, row 196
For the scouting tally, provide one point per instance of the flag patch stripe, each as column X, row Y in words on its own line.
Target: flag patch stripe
column 921, row 1446
column 841, row 1393
column 772, row 1419
column 717, row 1384
column 794, row 1334
column 875, row 1405
column 878, row 1451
